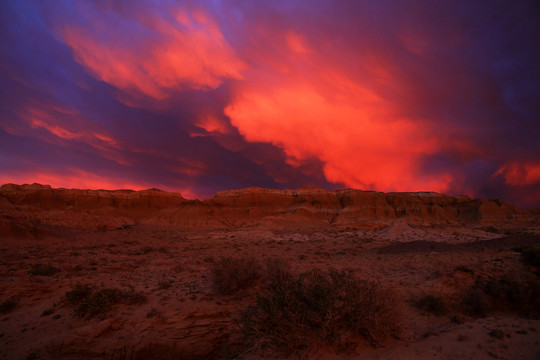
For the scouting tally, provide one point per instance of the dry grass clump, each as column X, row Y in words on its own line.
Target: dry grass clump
column 145, row 250
column 277, row 270
column 432, row 304
column 232, row 274
column 78, row 293
column 531, row 256
column 160, row 351
column 321, row 307
column 506, row 293
column 164, row 284
column 9, row 304
column 43, row 270
column 90, row 302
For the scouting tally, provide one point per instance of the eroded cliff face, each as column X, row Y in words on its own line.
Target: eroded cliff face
column 32, row 205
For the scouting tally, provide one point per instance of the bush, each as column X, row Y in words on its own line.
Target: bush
column 475, row 302
column 145, row 250
column 91, row 303
column 168, row 351
column 277, row 270
column 164, row 284
column 78, row 293
column 507, row 293
column 531, row 256
column 232, row 274
column 43, row 270
column 9, row 305
column 432, row 304
column 319, row 307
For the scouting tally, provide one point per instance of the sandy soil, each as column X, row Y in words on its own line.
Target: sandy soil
column 184, row 317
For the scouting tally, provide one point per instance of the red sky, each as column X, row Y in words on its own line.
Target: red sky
column 204, row 96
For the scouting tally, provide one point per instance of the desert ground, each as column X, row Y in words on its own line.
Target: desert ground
column 149, row 290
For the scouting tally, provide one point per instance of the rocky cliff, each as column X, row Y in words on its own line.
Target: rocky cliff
column 22, row 207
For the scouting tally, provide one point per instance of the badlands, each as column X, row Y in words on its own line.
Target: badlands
column 266, row 274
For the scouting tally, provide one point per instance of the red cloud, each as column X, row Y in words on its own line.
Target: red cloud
column 189, row 52
column 361, row 144
column 80, row 179
column 520, row 173
column 66, row 127
column 322, row 111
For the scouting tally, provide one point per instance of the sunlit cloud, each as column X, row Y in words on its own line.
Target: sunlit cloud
column 520, row 173
column 352, row 134
column 69, row 128
column 37, row 117
column 320, row 111
column 188, row 51
column 79, row 179
column 212, row 124
column 296, row 43
column 72, row 178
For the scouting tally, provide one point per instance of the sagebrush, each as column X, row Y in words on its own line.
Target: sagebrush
column 9, row 304
column 531, row 256
column 91, row 302
column 277, row 270
column 431, row 303
column 505, row 293
column 43, row 270
column 232, row 274
column 321, row 307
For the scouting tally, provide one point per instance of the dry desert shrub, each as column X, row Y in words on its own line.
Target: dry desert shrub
column 164, row 284
column 531, row 256
column 144, row 250
column 159, row 351
column 43, row 270
column 78, row 293
column 277, row 270
column 164, row 250
column 9, row 304
column 90, row 302
column 506, row 293
column 320, row 307
column 432, row 304
column 232, row 274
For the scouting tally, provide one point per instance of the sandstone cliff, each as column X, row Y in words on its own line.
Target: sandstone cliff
column 23, row 207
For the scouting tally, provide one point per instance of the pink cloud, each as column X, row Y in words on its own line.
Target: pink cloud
column 320, row 110
column 519, row 173
column 189, row 52
column 81, row 179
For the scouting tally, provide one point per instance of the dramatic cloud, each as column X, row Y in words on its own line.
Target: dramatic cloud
column 199, row 97
column 520, row 174
column 184, row 49
column 352, row 131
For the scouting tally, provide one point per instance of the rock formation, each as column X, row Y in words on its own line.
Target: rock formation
column 23, row 207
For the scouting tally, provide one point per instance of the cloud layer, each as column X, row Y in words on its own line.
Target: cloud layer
column 199, row 97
